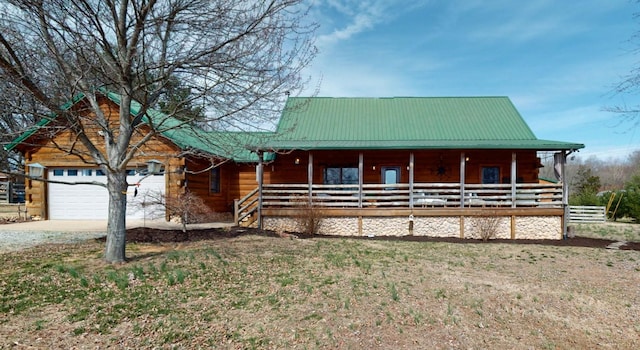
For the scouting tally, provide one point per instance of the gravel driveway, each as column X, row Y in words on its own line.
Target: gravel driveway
column 23, row 235
column 18, row 240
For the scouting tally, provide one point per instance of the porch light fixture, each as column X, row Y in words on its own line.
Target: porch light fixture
column 296, row 161
column 154, row 166
column 36, row 170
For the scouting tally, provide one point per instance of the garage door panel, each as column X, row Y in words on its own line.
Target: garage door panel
column 142, row 204
column 91, row 202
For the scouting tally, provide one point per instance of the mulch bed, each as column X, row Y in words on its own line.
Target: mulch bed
column 150, row 235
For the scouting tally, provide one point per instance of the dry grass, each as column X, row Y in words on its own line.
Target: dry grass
column 610, row 230
column 265, row 292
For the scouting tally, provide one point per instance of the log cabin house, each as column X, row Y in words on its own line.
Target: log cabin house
column 186, row 156
column 363, row 166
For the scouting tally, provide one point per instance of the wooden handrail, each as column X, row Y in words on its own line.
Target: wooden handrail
column 424, row 195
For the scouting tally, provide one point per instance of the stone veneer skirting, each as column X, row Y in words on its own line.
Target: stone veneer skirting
column 516, row 227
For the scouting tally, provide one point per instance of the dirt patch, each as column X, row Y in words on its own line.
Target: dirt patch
column 151, row 235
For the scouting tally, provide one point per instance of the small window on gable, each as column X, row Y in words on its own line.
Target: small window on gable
column 214, row 183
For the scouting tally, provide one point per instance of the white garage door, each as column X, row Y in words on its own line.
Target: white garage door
column 84, row 202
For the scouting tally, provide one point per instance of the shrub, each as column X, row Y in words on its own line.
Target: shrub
column 487, row 226
column 188, row 208
column 309, row 217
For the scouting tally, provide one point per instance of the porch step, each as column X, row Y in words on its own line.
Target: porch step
column 249, row 221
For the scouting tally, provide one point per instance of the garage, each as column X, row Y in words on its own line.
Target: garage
column 91, row 202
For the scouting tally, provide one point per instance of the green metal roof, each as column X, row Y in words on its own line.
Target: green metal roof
column 41, row 124
column 238, row 146
column 359, row 123
column 407, row 123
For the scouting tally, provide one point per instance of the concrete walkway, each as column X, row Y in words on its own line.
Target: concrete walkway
column 97, row 225
column 616, row 245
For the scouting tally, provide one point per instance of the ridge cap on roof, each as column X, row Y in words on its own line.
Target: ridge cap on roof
column 398, row 97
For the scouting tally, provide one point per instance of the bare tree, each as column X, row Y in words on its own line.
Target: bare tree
column 12, row 124
column 238, row 58
column 629, row 86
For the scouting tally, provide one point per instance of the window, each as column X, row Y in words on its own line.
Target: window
column 390, row 175
column 341, row 176
column 58, row 172
column 72, row 172
column 99, row 172
column 490, row 175
column 214, row 183
column 87, row 172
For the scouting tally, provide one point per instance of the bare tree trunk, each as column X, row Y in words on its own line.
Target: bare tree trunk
column 116, row 225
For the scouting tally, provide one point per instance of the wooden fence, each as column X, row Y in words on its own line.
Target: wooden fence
column 580, row 214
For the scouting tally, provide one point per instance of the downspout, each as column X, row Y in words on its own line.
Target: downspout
column 565, row 195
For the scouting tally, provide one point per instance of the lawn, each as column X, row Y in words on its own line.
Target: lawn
column 256, row 291
column 610, row 230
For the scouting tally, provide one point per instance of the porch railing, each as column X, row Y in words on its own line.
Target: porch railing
column 424, row 195
column 245, row 208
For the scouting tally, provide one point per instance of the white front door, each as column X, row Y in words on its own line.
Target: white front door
column 91, row 202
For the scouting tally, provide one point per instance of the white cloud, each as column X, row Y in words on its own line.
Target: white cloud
column 361, row 81
column 360, row 23
column 359, row 16
column 569, row 121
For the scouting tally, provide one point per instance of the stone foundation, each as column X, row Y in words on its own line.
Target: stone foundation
column 524, row 227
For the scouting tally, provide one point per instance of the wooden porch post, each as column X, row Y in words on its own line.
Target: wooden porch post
column 513, row 179
column 310, row 178
column 463, row 165
column 360, row 181
column 565, row 195
column 411, row 163
column 513, row 192
column 259, row 178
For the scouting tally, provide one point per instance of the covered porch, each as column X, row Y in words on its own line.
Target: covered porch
column 406, row 192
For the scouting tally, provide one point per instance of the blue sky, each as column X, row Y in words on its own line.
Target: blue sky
column 558, row 61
